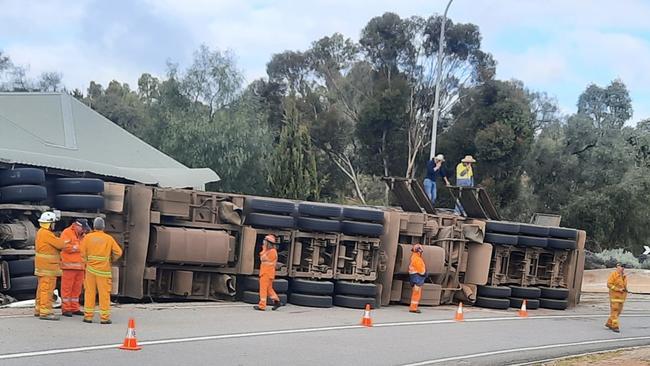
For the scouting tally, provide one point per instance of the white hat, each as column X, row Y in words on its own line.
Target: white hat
column 439, row 157
column 468, row 159
column 47, row 217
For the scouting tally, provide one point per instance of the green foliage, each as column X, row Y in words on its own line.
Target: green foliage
column 293, row 173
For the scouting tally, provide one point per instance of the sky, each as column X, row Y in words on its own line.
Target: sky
column 556, row 46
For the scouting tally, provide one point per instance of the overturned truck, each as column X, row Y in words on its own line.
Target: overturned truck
column 198, row 245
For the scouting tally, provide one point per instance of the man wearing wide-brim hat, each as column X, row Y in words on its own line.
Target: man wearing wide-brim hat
column 464, row 172
column 464, row 178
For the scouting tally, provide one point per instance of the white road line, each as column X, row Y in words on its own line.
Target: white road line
column 524, row 349
column 288, row 331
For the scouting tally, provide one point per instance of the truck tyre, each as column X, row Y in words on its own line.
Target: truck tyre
column 492, row 303
column 312, row 287
column 532, row 241
column 319, row 210
column 21, row 176
column 21, row 267
column 23, row 285
column 275, row 206
column 561, row 244
column 318, row 225
column 500, row 292
column 502, row 239
column 72, row 202
column 363, row 214
column 252, row 283
column 563, row 233
column 79, row 185
column 533, row 230
column 314, row 301
column 525, row 292
column 354, row 302
column 355, row 289
column 502, row 227
column 270, row 221
column 531, row 304
column 362, row 228
column 23, row 193
column 553, row 304
column 554, row 293
column 252, row 297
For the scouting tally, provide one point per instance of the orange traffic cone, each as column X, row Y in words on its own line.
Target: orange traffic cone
column 459, row 313
column 130, row 342
column 523, row 312
column 366, row 321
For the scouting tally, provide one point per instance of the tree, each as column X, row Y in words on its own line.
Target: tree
column 50, row 82
column 294, row 174
column 494, row 123
column 213, row 79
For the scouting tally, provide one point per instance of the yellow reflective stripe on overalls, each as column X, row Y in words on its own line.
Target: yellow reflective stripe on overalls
column 99, row 273
column 98, row 258
column 50, row 256
column 47, row 272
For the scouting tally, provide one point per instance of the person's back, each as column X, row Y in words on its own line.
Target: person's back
column 99, row 248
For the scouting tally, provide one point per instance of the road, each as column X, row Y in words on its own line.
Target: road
column 235, row 334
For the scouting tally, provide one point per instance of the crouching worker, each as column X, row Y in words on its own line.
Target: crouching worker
column 268, row 260
column 417, row 274
column 99, row 250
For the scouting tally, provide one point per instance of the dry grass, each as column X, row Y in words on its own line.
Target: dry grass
column 633, row 357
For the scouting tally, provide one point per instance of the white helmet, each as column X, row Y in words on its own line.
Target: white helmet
column 47, row 217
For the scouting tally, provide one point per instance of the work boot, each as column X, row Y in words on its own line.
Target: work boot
column 67, row 314
column 78, row 312
column 258, row 308
column 417, row 311
column 49, row 317
column 106, row 322
column 87, row 320
column 276, row 305
column 37, row 315
column 616, row 330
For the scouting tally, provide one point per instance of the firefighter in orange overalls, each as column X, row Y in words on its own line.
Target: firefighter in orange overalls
column 73, row 267
column 617, row 285
column 268, row 260
column 46, row 265
column 417, row 274
column 98, row 250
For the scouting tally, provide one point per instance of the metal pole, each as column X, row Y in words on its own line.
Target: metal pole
column 436, row 100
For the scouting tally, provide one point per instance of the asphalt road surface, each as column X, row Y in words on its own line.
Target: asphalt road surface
column 235, row 334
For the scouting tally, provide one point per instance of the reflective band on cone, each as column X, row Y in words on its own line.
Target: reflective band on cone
column 130, row 341
column 366, row 320
column 459, row 313
column 523, row 312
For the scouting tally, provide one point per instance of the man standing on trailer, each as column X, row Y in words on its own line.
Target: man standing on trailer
column 417, row 275
column 617, row 285
column 434, row 170
column 98, row 250
column 46, row 265
column 73, row 267
column 268, row 260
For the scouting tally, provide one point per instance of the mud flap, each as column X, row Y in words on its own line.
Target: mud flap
column 476, row 202
column 138, row 200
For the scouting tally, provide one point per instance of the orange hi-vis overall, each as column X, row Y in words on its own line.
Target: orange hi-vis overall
column 617, row 285
column 72, row 266
column 98, row 249
column 46, row 267
column 268, row 259
column 416, row 267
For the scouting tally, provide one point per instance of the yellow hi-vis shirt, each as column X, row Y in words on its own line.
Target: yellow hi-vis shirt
column 464, row 172
column 617, row 285
column 99, row 249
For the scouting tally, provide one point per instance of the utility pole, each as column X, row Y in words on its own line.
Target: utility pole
column 436, row 100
